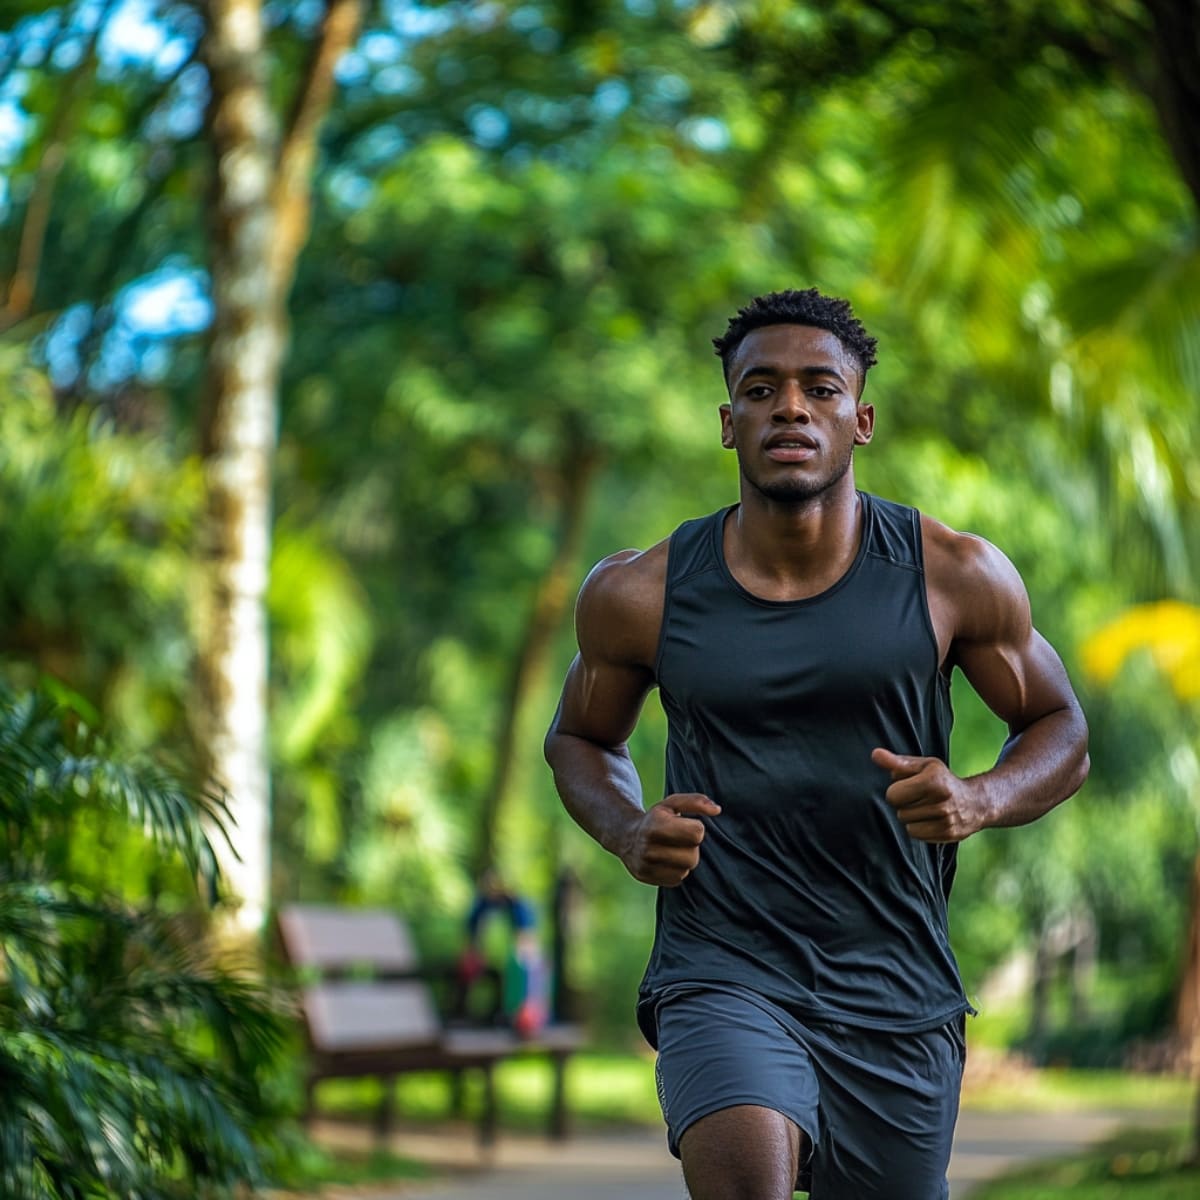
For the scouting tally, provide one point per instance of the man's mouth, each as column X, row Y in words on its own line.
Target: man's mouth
column 791, row 447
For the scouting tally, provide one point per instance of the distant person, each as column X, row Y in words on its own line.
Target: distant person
column 524, row 990
column 801, row 992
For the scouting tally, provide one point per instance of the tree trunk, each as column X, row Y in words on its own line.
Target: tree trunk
column 1084, row 956
column 550, row 602
column 1175, row 87
column 1044, row 963
column 237, row 441
column 1187, row 1009
column 259, row 218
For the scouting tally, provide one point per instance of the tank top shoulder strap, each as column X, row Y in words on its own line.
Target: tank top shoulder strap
column 691, row 551
column 894, row 532
column 692, row 548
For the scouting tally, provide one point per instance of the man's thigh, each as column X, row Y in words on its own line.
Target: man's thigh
column 741, row 1153
column 888, row 1105
column 718, row 1050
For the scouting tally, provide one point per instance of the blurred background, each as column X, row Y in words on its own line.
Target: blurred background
column 340, row 339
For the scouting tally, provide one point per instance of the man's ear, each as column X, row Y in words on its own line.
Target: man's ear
column 727, row 427
column 865, row 427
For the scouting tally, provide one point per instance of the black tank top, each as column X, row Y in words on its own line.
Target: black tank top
column 808, row 891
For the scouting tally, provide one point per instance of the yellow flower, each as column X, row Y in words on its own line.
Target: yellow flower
column 1169, row 631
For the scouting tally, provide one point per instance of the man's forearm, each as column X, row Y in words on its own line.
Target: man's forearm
column 599, row 787
column 1038, row 768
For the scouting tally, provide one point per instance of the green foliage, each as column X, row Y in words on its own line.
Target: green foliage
column 132, row 1062
column 321, row 636
column 96, row 567
column 1148, row 1164
column 528, row 222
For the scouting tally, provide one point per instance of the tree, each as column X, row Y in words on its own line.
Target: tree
column 259, row 222
column 126, row 221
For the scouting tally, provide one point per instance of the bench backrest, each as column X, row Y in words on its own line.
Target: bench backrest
column 350, row 1014
column 353, row 1014
column 333, row 941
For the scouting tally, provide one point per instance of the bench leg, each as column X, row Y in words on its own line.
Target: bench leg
column 558, row 1129
column 457, row 1099
column 487, row 1117
column 383, row 1114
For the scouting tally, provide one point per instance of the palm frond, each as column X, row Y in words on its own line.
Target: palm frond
column 132, row 1062
column 176, row 817
column 48, row 769
column 132, row 1120
column 30, row 747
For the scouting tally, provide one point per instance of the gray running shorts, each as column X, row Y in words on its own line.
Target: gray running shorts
column 878, row 1108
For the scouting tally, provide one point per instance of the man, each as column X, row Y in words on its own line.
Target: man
column 801, row 991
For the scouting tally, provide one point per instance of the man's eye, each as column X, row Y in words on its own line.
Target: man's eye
column 821, row 391
column 757, row 393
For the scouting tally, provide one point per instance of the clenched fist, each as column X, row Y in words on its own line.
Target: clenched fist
column 663, row 847
column 933, row 803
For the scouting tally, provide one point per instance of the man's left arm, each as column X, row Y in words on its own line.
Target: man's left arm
column 1022, row 680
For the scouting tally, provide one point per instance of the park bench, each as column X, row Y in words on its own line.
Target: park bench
column 370, row 1009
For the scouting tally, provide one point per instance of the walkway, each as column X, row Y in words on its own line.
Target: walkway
column 637, row 1166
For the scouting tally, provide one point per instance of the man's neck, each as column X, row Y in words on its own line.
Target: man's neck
column 783, row 550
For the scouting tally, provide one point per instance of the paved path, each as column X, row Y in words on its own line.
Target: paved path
column 637, row 1166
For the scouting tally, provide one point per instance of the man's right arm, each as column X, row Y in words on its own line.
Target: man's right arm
column 617, row 620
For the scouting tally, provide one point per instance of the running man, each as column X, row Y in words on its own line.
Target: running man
column 801, row 992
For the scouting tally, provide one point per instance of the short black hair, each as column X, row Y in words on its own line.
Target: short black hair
column 807, row 307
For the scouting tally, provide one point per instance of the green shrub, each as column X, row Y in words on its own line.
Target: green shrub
column 132, row 1064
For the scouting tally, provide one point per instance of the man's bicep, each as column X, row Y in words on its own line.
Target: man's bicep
column 601, row 701
column 617, row 620
column 1013, row 668
column 1020, row 680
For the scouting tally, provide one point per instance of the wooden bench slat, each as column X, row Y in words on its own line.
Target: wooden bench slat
column 354, row 1015
column 331, row 939
column 480, row 1041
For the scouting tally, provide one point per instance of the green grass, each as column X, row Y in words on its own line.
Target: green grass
column 1140, row 1164
column 1061, row 1090
column 602, row 1090
column 618, row 1089
column 310, row 1167
column 998, row 1026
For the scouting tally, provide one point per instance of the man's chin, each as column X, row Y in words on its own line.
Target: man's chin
column 791, row 491
column 796, row 490
column 790, row 495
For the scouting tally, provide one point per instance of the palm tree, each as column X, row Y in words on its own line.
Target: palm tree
column 131, row 1062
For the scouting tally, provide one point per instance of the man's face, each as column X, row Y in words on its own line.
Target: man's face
column 793, row 415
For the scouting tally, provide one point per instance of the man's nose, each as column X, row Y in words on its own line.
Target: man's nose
column 791, row 404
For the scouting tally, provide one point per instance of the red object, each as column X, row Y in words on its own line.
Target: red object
column 529, row 1018
column 470, row 965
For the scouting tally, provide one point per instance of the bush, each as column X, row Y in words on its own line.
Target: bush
column 132, row 1064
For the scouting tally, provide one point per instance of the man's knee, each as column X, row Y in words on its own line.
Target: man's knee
column 745, row 1152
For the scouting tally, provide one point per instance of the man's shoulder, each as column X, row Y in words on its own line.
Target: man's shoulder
column 966, row 556
column 632, row 576
column 622, row 599
column 620, row 605
column 628, row 572
column 972, row 574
